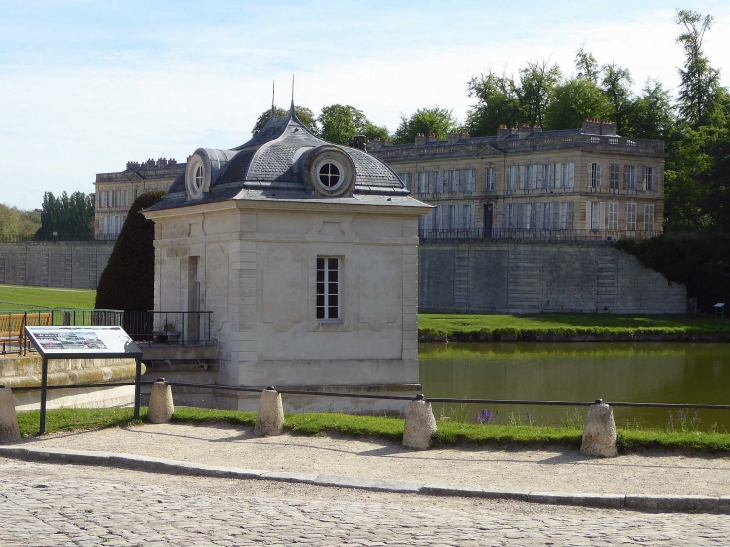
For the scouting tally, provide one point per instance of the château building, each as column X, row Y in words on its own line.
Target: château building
column 115, row 192
column 526, row 183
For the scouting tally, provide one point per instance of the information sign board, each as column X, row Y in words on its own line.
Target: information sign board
column 82, row 341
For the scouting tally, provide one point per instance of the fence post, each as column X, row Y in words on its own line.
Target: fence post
column 270, row 419
column 420, row 424
column 137, row 386
column 599, row 431
column 161, row 406
column 9, row 431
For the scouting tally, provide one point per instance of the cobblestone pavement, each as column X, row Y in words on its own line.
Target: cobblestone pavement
column 54, row 505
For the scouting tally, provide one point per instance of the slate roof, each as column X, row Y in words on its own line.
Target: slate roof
column 271, row 161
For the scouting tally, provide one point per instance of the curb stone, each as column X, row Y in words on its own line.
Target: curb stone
column 648, row 503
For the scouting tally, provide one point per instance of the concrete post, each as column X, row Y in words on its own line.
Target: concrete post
column 420, row 424
column 270, row 419
column 161, row 406
column 599, row 431
column 9, row 431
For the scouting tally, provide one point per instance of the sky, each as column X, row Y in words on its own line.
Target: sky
column 86, row 86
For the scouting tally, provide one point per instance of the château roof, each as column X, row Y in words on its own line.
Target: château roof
column 273, row 160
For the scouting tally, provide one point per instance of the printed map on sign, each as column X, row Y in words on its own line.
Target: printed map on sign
column 77, row 340
column 81, row 340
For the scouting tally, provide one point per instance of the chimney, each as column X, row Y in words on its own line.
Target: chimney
column 132, row 165
column 420, row 139
column 162, row 162
column 171, row 161
column 503, row 132
column 536, row 129
column 375, row 144
column 432, row 138
column 150, row 164
column 360, row 142
column 608, row 128
column 454, row 136
column 591, row 126
column 388, row 143
column 523, row 131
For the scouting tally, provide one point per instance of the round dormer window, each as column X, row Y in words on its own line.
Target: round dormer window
column 329, row 171
column 330, row 175
column 198, row 179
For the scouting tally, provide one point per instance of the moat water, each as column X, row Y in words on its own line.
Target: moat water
column 632, row 372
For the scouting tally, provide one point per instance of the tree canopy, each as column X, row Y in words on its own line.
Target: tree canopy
column 67, row 216
column 305, row 115
column 426, row 121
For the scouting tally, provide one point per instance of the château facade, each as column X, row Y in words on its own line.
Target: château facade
column 526, row 183
column 115, row 192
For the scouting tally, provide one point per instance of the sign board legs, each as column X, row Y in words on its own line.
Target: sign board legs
column 44, row 393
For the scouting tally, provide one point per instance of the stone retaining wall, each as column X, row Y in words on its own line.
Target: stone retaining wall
column 492, row 277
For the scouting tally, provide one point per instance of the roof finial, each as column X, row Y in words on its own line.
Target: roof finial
column 272, row 100
column 292, row 95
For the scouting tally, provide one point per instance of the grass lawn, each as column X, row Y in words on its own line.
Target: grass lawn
column 449, row 433
column 455, row 325
column 18, row 297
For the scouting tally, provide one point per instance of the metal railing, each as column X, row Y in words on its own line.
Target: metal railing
column 169, row 327
column 531, row 235
column 33, row 238
column 13, row 322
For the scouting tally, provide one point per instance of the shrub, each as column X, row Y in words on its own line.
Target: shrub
column 127, row 282
column 700, row 260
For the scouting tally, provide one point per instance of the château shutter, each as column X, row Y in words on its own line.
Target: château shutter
column 559, row 175
column 640, row 177
column 598, row 175
column 571, row 175
column 538, row 215
column 602, row 216
column 588, row 215
column 569, row 216
column 521, row 182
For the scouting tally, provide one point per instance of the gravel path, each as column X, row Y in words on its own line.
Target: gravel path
column 554, row 470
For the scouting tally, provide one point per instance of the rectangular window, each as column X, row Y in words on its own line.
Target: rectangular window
column 512, row 177
column 108, row 198
column 613, row 215
column 631, row 217
column 421, row 182
column 453, row 181
column 594, row 175
column 649, row 217
column 566, row 215
column 613, row 171
column 648, row 178
column 126, row 198
column 328, row 288
column 528, row 177
column 568, row 175
column 630, row 177
column 136, row 193
column 467, row 180
column 489, row 179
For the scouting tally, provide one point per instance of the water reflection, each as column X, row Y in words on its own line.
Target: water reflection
column 637, row 372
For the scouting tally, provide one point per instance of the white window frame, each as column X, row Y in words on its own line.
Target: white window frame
column 648, row 217
column 489, row 179
column 512, row 177
column 325, row 287
column 630, row 174
column 594, row 175
column 649, row 178
column 614, row 176
column 631, row 217
column 613, row 215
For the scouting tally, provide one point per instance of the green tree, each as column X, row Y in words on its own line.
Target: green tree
column 128, row 281
column 537, row 83
column 586, row 65
column 574, row 101
column 698, row 90
column 67, row 216
column 372, row 132
column 650, row 116
column 616, row 84
column 9, row 221
column 340, row 123
column 305, row 115
column 427, row 121
column 497, row 104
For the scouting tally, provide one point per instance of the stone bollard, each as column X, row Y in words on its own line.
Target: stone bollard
column 420, row 424
column 161, row 406
column 599, row 431
column 270, row 419
column 9, row 431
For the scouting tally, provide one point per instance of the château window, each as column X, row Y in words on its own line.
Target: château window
column 330, row 175
column 648, row 178
column 512, row 177
column 631, row 217
column 649, row 217
column 198, row 178
column 328, row 288
column 594, row 175
column 489, row 179
column 613, row 215
column 630, row 177
column 613, row 171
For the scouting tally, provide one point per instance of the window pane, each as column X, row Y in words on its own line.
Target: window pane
column 320, row 288
column 320, row 263
column 333, row 313
column 320, row 300
column 320, row 275
column 332, row 275
column 332, row 300
column 332, row 288
column 332, row 263
column 320, row 313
